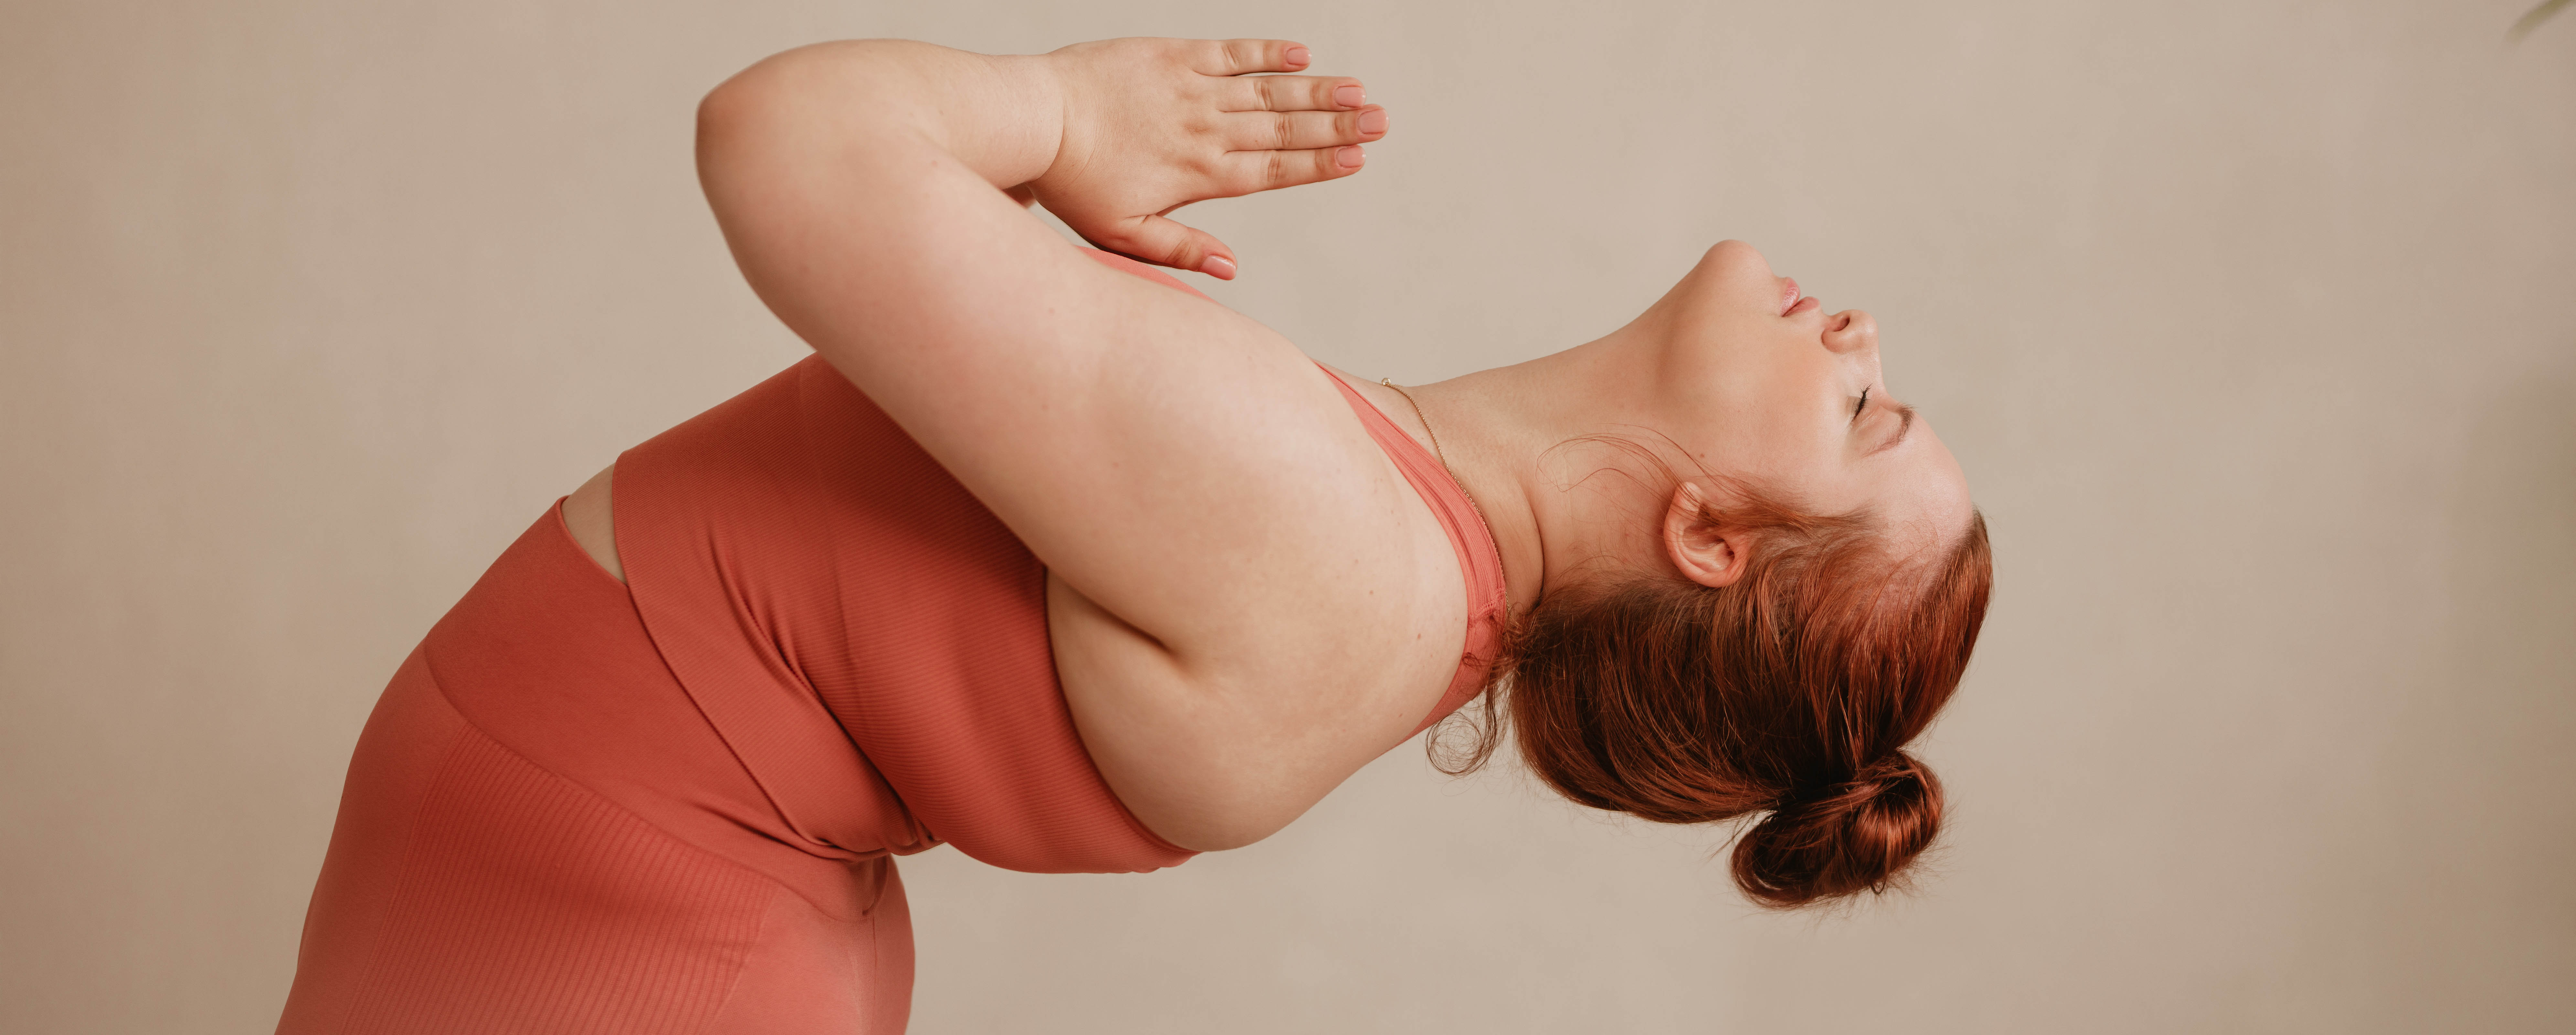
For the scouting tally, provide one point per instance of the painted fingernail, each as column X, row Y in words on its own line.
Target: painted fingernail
column 1350, row 157
column 1373, row 121
column 1217, row 266
column 1298, row 57
column 1349, row 96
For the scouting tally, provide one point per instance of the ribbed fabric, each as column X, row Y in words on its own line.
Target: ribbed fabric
column 669, row 806
column 867, row 637
column 531, row 905
column 540, row 833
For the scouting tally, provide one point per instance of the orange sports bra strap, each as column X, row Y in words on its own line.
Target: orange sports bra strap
column 1479, row 560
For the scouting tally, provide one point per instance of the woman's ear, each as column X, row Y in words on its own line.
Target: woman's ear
column 1705, row 551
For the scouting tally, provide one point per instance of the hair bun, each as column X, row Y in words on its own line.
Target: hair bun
column 1855, row 836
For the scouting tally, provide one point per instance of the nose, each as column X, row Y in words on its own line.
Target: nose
column 1851, row 331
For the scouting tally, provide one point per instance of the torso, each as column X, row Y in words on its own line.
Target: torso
column 1095, row 652
column 1195, row 737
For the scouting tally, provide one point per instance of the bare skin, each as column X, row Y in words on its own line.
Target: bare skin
column 1233, row 647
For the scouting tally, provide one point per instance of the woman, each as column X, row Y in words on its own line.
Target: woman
column 1077, row 571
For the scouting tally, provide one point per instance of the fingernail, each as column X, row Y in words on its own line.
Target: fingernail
column 1298, row 57
column 1373, row 121
column 1350, row 157
column 1217, row 266
column 1349, row 96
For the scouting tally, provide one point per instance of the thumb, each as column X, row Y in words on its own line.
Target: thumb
column 1164, row 242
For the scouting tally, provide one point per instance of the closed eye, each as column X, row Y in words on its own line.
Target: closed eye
column 1864, row 405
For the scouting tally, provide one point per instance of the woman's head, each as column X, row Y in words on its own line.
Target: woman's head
column 1776, row 588
column 1789, row 690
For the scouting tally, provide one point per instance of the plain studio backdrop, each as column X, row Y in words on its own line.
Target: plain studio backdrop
column 2254, row 324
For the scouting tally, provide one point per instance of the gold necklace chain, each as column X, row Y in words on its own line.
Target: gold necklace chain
column 1427, row 429
column 1453, row 478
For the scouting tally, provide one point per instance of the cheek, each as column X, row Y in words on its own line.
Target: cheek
column 1766, row 404
column 1777, row 442
column 1791, row 410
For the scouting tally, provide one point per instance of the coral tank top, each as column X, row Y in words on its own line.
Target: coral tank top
column 871, row 642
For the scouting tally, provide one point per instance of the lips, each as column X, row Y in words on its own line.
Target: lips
column 1791, row 304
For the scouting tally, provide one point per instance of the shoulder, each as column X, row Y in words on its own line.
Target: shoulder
column 1335, row 658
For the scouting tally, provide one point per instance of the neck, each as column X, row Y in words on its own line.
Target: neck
column 1502, row 429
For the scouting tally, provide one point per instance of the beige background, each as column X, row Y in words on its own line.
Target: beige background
column 2254, row 323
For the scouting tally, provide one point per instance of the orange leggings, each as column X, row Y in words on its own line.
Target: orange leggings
column 540, row 833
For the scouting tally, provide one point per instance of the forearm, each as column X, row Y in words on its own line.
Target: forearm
column 863, row 101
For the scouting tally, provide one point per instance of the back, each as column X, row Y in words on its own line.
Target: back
column 869, row 639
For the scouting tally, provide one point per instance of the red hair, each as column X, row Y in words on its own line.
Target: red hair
column 1790, row 691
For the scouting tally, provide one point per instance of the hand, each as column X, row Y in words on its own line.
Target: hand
column 1151, row 125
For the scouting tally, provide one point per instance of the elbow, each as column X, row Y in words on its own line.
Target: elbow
column 820, row 84
column 758, row 102
column 727, row 110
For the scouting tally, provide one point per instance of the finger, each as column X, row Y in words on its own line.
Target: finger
column 1238, row 57
column 1292, row 93
column 1302, row 130
column 1248, row 172
column 1166, row 243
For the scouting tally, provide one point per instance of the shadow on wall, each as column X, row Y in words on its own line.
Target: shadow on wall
column 2513, row 571
column 2479, row 798
column 2531, row 19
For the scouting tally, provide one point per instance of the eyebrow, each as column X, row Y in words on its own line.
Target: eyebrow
column 1904, row 424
